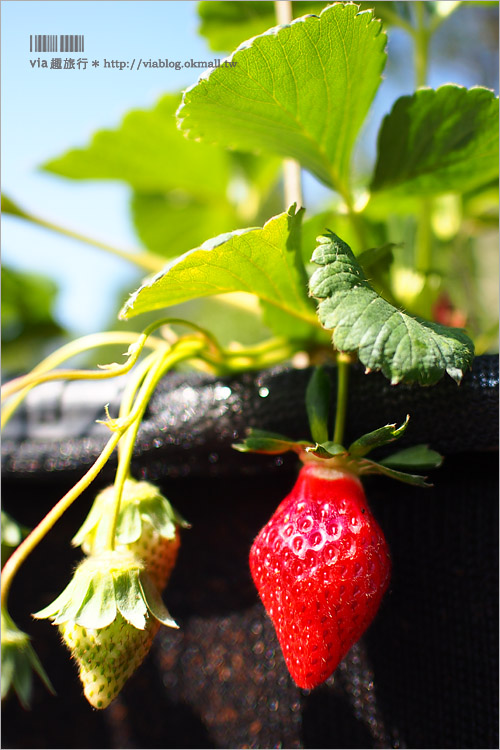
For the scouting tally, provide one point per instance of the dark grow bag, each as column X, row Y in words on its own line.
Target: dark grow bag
column 425, row 675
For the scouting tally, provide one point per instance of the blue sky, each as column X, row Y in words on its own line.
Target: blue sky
column 45, row 112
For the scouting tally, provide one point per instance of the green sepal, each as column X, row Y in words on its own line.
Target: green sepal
column 366, row 466
column 89, row 599
column 261, row 441
column 129, row 600
column 417, row 457
column 64, row 599
column 377, row 438
column 19, row 661
column 103, row 585
column 154, row 601
column 318, row 404
column 326, row 450
column 98, row 609
column 141, row 502
column 129, row 524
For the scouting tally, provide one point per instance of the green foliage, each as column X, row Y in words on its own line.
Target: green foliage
column 263, row 261
column 19, row 662
column 12, row 533
column 302, row 91
column 405, row 349
column 227, row 23
column 417, row 457
column 11, row 208
column 439, row 141
column 147, row 152
column 28, row 322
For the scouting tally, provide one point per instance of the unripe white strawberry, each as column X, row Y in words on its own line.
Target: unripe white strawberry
column 147, row 526
column 108, row 616
column 107, row 657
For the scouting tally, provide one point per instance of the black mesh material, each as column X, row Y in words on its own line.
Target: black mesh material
column 425, row 675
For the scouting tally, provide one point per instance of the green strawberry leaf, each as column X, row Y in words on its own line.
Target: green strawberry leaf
column 417, row 457
column 171, row 223
column 263, row 261
column 438, row 141
column 329, row 69
column 227, row 23
column 318, row 404
column 9, row 207
column 404, row 348
column 377, row 438
column 148, row 153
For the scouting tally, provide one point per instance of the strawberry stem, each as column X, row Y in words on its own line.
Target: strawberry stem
column 35, row 537
column 343, row 363
column 45, row 372
column 185, row 348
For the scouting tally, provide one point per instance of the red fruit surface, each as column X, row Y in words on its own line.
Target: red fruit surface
column 321, row 566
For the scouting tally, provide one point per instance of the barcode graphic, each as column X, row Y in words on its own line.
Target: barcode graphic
column 57, row 43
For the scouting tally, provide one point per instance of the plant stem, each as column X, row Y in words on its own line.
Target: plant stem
column 35, row 537
column 42, row 372
column 184, row 349
column 423, row 240
column 356, row 220
column 292, row 183
column 131, row 388
column 422, row 38
column 343, row 364
column 149, row 262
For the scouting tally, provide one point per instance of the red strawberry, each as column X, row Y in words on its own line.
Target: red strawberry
column 321, row 566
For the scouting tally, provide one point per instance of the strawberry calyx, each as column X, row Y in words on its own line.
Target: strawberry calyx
column 352, row 459
column 332, row 453
column 142, row 505
column 104, row 586
column 19, row 661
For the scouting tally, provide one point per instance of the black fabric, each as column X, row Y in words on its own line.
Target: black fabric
column 424, row 676
column 194, row 418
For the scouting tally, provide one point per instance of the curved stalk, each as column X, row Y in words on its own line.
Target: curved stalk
column 183, row 350
column 148, row 261
column 35, row 537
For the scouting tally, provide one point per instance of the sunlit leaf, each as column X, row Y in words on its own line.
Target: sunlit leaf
column 263, row 261
column 147, row 152
column 404, row 348
column 438, row 141
column 301, row 91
